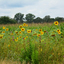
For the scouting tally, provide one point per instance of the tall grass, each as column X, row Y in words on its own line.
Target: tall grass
column 34, row 47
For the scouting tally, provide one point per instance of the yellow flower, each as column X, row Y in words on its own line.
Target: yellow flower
column 22, row 29
column 38, row 35
column 1, row 36
column 16, row 32
column 41, row 49
column 20, row 37
column 7, row 29
column 20, row 26
column 59, row 32
column 3, row 27
column 3, row 32
column 9, row 45
column 24, row 24
column 40, row 30
column 56, row 23
column 11, row 34
column 28, row 31
column 16, row 40
column 20, row 32
column 42, row 33
column 26, row 36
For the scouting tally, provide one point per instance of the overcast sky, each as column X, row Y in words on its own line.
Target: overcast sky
column 40, row 8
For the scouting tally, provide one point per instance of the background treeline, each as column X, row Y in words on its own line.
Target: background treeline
column 29, row 18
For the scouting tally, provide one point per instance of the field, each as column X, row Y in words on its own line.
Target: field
column 41, row 43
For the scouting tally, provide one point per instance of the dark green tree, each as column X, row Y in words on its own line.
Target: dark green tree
column 19, row 17
column 29, row 17
column 59, row 19
column 6, row 20
column 46, row 18
column 38, row 20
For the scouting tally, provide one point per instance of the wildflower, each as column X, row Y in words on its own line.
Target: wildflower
column 41, row 49
column 56, row 22
column 42, row 33
column 16, row 40
column 9, row 45
column 22, row 29
column 3, row 32
column 40, row 30
column 24, row 24
column 20, row 32
column 7, row 29
column 35, row 34
column 20, row 26
column 38, row 35
column 28, row 31
column 16, row 32
column 3, row 27
column 11, row 34
column 17, row 37
column 53, row 35
column 59, row 32
column 20, row 36
column 24, row 38
column 1, row 36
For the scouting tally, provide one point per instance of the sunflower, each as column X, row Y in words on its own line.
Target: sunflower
column 16, row 32
column 28, row 31
column 16, row 40
column 7, row 29
column 3, row 32
column 38, row 35
column 58, row 30
column 3, row 27
column 53, row 35
column 1, row 36
column 22, row 29
column 42, row 32
column 20, row 26
column 24, row 24
column 20, row 32
column 56, row 23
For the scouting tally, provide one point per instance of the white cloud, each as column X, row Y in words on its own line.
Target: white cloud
column 39, row 8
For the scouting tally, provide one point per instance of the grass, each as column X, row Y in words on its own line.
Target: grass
column 36, row 47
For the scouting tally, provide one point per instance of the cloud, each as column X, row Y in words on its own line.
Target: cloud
column 39, row 8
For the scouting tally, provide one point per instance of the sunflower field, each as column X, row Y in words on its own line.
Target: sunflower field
column 33, row 43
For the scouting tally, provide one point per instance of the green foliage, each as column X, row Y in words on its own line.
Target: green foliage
column 6, row 20
column 30, row 17
column 19, row 17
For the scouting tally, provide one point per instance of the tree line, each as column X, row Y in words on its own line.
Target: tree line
column 30, row 18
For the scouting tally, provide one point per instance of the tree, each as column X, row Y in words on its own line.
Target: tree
column 30, row 17
column 46, row 18
column 19, row 17
column 6, row 20
column 38, row 20
column 59, row 19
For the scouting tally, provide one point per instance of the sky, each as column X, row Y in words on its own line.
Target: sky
column 40, row 8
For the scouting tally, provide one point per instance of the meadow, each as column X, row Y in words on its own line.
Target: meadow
column 41, row 43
